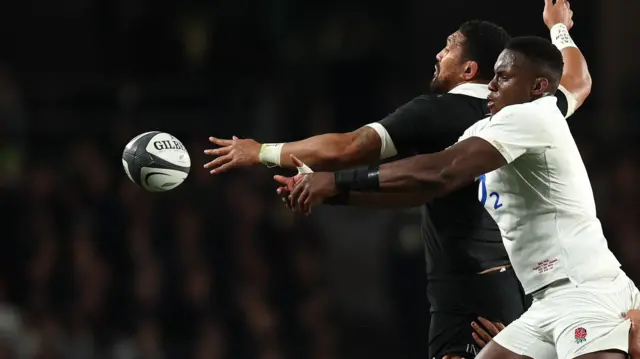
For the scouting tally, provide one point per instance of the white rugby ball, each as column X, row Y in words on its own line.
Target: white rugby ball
column 156, row 161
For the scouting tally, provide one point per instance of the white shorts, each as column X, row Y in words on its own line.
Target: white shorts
column 567, row 320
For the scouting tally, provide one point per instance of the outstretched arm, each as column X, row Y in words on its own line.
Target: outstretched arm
column 576, row 79
column 355, row 199
column 424, row 176
column 439, row 173
column 329, row 151
column 418, row 121
column 484, row 147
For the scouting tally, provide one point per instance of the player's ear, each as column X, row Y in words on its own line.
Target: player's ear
column 470, row 70
column 540, row 87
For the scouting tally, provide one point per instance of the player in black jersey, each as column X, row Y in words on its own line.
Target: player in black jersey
column 467, row 266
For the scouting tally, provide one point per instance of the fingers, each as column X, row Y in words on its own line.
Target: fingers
column 489, row 325
column 283, row 193
column 481, row 332
column 307, row 204
column 295, row 194
column 224, row 168
column 285, row 181
column 548, row 2
column 499, row 325
column 481, row 343
column 219, row 162
column 234, row 138
column 303, row 201
column 219, row 142
column 560, row 2
column 218, row 151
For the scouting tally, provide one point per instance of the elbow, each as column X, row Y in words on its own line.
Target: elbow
column 350, row 153
column 340, row 157
column 586, row 82
column 579, row 86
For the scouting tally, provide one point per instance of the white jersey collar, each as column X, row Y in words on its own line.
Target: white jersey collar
column 471, row 89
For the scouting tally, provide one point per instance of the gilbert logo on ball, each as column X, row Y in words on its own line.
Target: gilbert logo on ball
column 156, row 161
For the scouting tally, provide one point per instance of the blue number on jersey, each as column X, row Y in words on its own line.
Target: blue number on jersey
column 483, row 198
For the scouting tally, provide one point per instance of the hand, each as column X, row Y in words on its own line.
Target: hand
column 634, row 333
column 558, row 13
column 481, row 336
column 309, row 189
column 288, row 183
column 233, row 153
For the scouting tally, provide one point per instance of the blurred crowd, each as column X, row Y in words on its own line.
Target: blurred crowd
column 91, row 266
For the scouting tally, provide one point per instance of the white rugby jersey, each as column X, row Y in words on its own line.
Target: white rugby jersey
column 542, row 200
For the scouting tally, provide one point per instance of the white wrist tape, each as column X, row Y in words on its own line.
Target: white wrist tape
column 270, row 154
column 560, row 37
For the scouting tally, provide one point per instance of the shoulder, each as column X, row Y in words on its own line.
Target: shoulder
column 475, row 128
column 537, row 117
column 534, row 110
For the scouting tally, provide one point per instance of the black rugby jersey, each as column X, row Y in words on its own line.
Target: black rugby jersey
column 460, row 236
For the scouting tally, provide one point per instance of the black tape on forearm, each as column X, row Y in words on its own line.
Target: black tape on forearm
column 361, row 179
column 341, row 199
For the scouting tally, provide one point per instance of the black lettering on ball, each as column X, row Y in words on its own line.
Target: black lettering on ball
column 168, row 145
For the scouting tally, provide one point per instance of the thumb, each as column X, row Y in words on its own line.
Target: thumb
column 548, row 3
column 296, row 161
column 302, row 168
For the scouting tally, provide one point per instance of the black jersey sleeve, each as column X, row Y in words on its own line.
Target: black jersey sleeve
column 566, row 101
column 415, row 123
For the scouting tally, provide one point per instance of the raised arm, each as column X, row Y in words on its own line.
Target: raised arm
column 576, row 79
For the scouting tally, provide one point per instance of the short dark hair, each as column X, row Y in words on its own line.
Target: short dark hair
column 542, row 54
column 484, row 41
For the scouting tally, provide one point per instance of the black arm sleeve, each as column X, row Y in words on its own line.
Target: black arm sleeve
column 563, row 105
column 424, row 124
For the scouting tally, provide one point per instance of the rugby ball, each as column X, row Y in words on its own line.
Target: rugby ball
column 156, row 161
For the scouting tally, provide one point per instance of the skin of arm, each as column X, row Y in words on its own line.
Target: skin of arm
column 334, row 151
column 431, row 175
column 575, row 76
column 440, row 173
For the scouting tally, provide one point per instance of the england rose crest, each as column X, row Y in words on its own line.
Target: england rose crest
column 581, row 335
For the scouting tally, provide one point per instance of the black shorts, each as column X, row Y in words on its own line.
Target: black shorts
column 456, row 301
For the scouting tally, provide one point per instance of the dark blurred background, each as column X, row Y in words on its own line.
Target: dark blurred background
column 93, row 267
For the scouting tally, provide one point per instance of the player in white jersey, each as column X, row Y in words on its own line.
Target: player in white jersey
column 535, row 185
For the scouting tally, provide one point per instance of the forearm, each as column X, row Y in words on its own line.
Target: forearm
column 334, row 151
column 575, row 76
column 426, row 174
column 433, row 175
